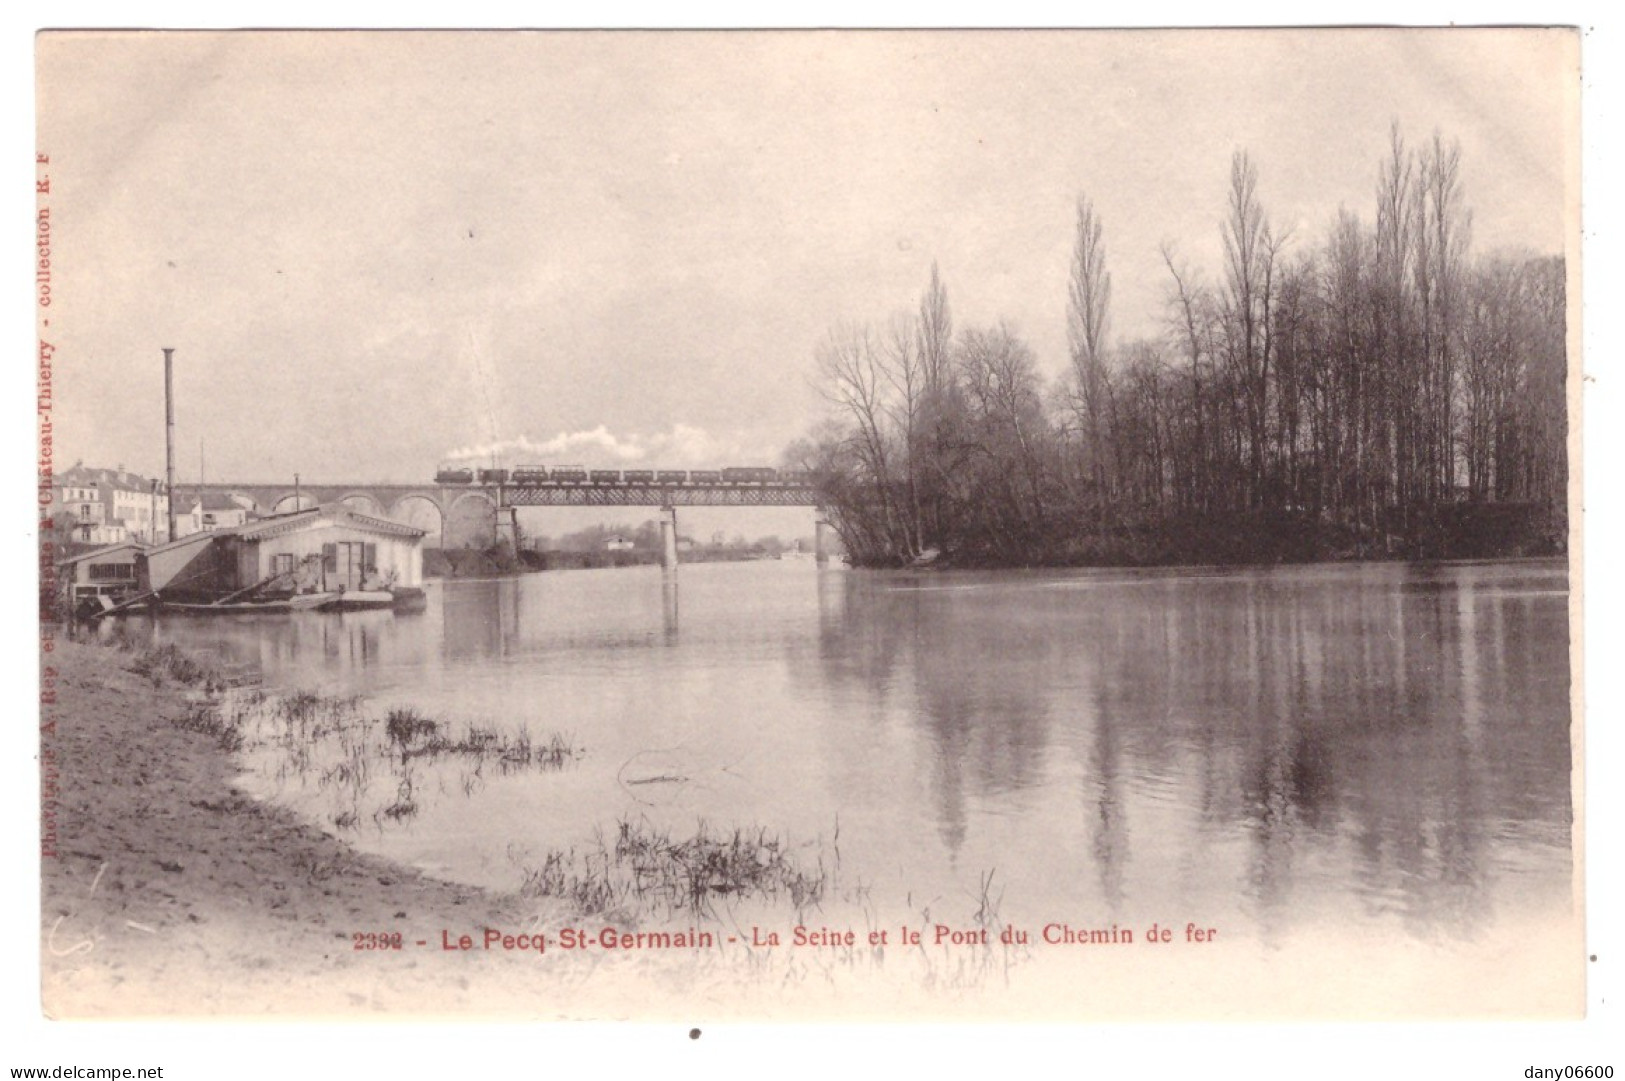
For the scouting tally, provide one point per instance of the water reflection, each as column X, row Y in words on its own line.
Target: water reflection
column 1374, row 745
column 482, row 618
column 333, row 647
column 1384, row 730
column 668, row 607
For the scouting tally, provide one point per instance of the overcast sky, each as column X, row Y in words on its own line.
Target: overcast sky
column 375, row 252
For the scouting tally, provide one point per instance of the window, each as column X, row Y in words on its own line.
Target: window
column 283, row 563
column 112, row 571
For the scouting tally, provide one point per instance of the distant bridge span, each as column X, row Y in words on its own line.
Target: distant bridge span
column 471, row 515
column 659, row 495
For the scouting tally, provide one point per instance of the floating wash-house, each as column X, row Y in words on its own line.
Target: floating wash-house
column 328, row 549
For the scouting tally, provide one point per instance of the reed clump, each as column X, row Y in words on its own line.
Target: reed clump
column 169, row 663
column 587, row 881
column 647, row 868
column 416, row 736
column 405, row 726
column 405, row 805
column 208, row 718
column 337, row 743
column 306, row 715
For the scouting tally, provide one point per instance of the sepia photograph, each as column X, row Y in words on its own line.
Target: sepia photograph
column 844, row 525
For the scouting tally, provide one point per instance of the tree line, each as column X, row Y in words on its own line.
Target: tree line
column 1375, row 391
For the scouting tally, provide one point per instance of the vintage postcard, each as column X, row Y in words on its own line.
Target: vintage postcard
column 1063, row 525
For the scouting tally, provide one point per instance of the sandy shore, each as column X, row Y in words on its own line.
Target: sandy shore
column 170, row 892
column 166, row 891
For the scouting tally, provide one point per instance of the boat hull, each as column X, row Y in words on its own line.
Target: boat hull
column 353, row 600
column 303, row 602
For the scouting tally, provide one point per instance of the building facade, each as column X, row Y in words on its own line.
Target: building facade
column 327, row 548
column 106, row 572
column 111, row 506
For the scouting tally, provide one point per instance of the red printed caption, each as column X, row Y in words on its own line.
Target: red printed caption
column 497, row 940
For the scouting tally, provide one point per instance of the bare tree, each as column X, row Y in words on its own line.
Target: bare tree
column 1446, row 225
column 936, row 334
column 1345, row 387
column 937, row 408
column 1009, row 431
column 1087, row 312
column 1250, row 250
column 904, row 367
column 1192, row 327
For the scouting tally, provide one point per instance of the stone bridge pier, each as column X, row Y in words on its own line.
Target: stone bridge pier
column 823, row 536
column 668, row 538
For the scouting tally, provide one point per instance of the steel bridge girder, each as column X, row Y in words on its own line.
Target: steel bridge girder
column 654, row 495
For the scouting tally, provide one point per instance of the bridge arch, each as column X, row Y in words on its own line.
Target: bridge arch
column 291, row 502
column 363, row 503
column 422, row 512
column 471, row 521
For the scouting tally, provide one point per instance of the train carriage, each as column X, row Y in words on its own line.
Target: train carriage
column 750, row 474
column 534, row 475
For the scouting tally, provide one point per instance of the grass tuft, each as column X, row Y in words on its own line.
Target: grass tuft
column 168, row 662
column 648, row 868
column 205, row 717
column 405, row 726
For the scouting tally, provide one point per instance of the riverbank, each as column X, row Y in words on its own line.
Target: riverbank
column 1261, row 538
column 169, row 892
column 492, row 562
column 166, row 891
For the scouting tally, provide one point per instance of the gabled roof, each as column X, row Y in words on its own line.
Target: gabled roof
column 201, row 537
column 101, row 553
column 329, row 515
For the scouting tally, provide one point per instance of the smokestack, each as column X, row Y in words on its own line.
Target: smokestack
column 169, row 438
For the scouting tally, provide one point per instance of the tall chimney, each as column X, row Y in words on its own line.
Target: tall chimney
column 169, row 438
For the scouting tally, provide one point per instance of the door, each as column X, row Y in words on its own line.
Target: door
column 344, row 564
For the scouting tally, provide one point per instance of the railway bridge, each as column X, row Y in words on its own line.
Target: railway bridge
column 477, row 515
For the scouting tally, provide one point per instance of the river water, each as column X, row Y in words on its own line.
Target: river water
column 1379, row 747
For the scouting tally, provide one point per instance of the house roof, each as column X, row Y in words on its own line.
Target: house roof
column 191, row 538
column 100, row 553
column 331, row 514
column 84, row 476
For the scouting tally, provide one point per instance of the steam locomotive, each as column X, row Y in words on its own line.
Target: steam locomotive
column 537, row 475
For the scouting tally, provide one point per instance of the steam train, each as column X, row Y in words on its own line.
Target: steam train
column 538, row 475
